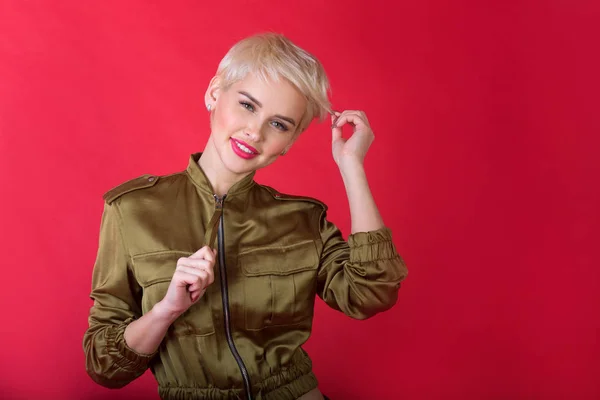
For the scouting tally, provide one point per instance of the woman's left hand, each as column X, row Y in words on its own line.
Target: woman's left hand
column 354, row 149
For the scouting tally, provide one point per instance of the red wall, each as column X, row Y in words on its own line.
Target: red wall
column 485, row 166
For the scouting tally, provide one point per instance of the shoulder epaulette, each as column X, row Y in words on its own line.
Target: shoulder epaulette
column 282, row 196
column 141, row 182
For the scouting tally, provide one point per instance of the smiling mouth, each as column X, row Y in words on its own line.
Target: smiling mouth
column 243, row 148
column 246, row 149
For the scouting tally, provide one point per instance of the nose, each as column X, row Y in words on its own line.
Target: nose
column 254, row 131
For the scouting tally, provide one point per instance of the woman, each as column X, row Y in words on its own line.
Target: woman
column 209, row 278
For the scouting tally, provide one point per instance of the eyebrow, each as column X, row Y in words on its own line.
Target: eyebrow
column 258, row 103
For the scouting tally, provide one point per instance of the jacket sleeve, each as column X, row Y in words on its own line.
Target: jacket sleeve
column 109, row 361
column 360, row 277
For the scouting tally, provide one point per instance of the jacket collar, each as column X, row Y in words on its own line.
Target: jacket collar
column 201, row 181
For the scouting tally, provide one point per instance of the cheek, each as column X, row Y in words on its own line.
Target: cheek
column 225, row 120
column 219, row 121
column 277, row 144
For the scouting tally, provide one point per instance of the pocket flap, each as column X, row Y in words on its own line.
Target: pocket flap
column 279, row 260
column 156, row 267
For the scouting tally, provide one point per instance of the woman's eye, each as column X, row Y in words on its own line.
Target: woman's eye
column 279, row 125
column 247, row 106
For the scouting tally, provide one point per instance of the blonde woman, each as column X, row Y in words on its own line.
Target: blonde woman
column 209, row 278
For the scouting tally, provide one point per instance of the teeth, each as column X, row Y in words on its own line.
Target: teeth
column 244, row 148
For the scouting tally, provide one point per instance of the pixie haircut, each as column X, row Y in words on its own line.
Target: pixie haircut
column 273, row 56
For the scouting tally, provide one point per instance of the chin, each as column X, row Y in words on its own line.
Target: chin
column 238, row 165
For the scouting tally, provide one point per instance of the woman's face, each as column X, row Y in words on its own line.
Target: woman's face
column 253, row 121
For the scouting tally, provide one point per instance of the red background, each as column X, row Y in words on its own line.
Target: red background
column 485, row 166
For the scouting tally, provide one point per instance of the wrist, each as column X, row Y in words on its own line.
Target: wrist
column 352, row 169
column 163, row 314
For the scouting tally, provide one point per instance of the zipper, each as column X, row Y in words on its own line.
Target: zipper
column 225, row 298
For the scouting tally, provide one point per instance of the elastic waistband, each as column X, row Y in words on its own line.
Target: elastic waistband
column 288, row 384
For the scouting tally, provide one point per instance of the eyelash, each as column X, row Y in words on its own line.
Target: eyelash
column 276, row 124
column 247, row 106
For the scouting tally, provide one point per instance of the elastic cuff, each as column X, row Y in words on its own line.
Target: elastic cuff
column 125, row 356
column 364, row 238
column 372, row 246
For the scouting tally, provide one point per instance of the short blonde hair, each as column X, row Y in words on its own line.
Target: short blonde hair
column 273, row 56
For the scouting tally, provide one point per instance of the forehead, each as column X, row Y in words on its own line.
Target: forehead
column 278, row 96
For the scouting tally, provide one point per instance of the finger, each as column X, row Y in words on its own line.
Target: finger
column 203, row 277
column 195, row 296
column 359, row 113
column 195, row 287
column 206, row 253
column 192, row 282
column 191, row 270
column 210, row 276
column 356, row 113
column 198, row 252
column 353, row 119
column 364, row 117
column 207, row 271
column 184, row 278
column 341, row 121
column 195, row 263
column 201, row 282
column 336, row 132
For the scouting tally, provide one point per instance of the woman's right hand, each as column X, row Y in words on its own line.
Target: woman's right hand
column 192, row 276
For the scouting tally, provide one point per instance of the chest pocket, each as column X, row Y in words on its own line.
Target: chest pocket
column 154, row 272
column 279, row 284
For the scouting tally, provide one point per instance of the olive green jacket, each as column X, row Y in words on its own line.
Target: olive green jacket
column 279, row 251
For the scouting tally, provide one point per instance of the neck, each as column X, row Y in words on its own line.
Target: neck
column 220, row 178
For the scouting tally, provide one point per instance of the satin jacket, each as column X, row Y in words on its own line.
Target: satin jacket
column 276, row 253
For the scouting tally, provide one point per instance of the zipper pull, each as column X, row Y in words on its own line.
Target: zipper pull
column 219, row 201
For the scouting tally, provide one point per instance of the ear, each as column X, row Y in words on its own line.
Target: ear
column 213, row 91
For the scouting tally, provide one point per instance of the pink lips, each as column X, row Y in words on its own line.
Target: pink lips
column 242, row 153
